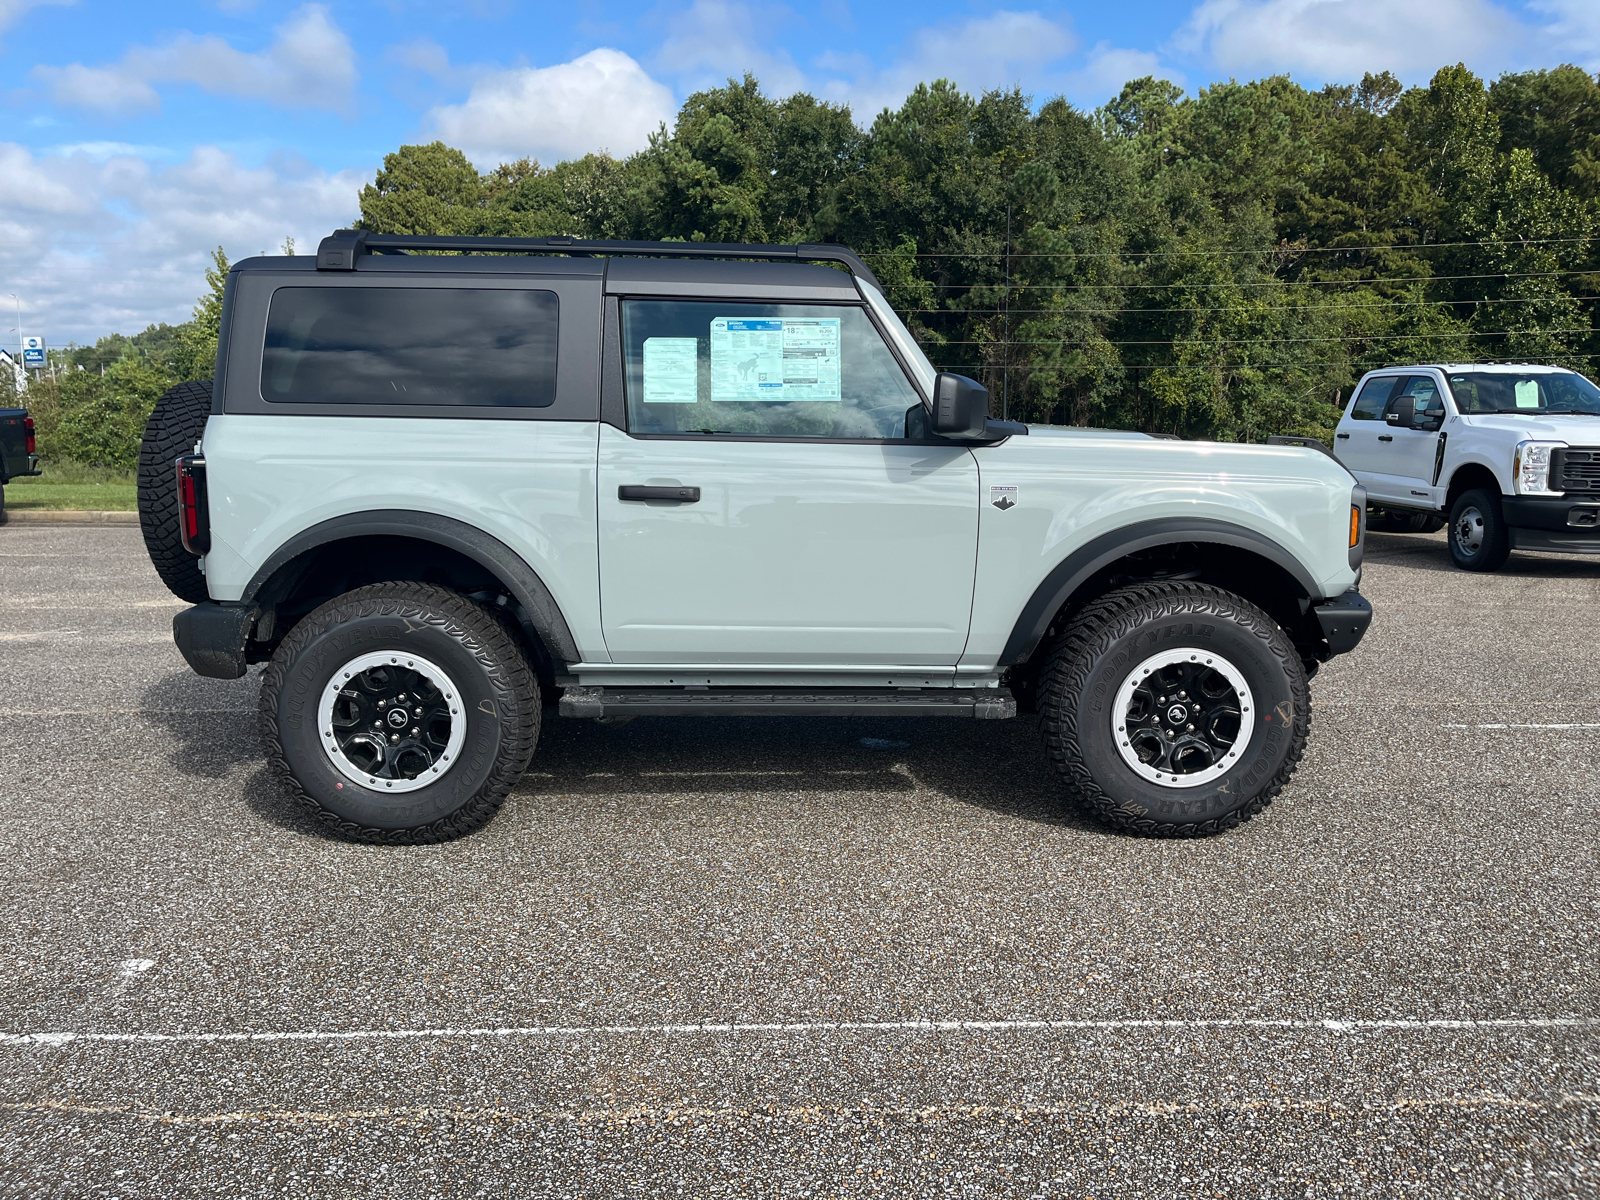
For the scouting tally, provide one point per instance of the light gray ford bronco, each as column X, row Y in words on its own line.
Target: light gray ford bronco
column 437, row 492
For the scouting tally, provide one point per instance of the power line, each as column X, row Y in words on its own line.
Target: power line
column 1309, row 308
column 1360, row 364
column 1277, row 249
column 1277, row 283
column 1236, row 341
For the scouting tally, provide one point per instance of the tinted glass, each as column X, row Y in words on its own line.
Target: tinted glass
column 774, row 370
column 1369, row 402
column 1532, row 393
column 372, row 345
column 1424, row 393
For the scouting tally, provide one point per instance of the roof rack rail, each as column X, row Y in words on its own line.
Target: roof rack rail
column 340, row 250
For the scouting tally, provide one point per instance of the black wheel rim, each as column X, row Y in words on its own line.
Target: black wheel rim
column 1182, row 718
column 392, row 722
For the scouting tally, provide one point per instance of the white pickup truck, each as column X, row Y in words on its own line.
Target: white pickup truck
column 1507, row 454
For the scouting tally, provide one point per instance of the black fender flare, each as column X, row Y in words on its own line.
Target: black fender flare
column 1098, row 553
column 489, row 552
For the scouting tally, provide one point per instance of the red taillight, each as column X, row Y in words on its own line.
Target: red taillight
column 31, row 443
column 194, row 517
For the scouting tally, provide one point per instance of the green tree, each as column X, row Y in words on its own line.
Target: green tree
column 196, row 356
column 101, row 418
column 422, row 189
column 1555, row 116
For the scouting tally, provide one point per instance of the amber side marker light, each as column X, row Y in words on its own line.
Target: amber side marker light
column 1355, row 524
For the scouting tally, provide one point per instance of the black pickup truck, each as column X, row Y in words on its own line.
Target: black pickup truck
column 17, row 455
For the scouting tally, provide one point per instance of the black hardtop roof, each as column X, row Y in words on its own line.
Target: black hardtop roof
column 344, row 248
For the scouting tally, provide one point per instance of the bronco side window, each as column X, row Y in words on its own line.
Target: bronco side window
column 764, row 370
column 494, row 347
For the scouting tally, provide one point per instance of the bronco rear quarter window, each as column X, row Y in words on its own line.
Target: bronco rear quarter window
column 487, row 347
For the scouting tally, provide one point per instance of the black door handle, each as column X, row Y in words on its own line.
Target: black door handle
column 1386, row 437
column 639, row 491
column 1343, row 437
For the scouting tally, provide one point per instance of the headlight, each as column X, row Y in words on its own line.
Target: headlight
column 1531, row 473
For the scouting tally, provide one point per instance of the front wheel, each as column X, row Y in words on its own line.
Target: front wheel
column 400, row 713
column 1479, row 539
column 1174, row 709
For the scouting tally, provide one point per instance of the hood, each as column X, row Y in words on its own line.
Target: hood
column 1081, row 432
column 1575, row 431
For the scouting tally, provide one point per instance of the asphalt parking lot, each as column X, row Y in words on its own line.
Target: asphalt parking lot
column 805, row 957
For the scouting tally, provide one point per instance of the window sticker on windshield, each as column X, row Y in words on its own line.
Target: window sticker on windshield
column 671, row 370
column 774, row 358
column 1527, row 393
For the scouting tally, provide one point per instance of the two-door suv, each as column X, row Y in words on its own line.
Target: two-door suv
column 435, row 492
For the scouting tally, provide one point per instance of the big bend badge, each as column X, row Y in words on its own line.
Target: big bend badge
column 1003, row 497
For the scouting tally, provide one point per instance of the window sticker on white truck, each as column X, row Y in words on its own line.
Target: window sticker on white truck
column 671, row 370
column 1527, row 393
column 774, row 358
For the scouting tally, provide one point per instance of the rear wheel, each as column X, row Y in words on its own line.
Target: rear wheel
column 400, row 713
column 1479, row 539
column 175, row 425
column 1174, row 709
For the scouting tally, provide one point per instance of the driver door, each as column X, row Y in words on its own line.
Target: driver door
column 1411, row 456
column 764, row 504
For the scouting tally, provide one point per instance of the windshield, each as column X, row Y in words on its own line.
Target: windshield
column 921, row 369
column 1533, row 394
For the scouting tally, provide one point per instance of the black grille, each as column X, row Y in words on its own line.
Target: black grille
column 1575, row 470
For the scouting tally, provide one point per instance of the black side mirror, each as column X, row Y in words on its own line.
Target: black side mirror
column 1404, row 415
column 960, row 407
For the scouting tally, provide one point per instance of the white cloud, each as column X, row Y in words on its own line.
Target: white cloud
column 1576, row 28
column 425, row 55
column 997, row 51
column 97, row 246
column 1339, row 39
column 1108, row 68
column 714, row 40
column 601, row 101
column 310, row 64
column 11, row 10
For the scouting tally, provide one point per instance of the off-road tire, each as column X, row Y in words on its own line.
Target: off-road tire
column 1494, row 545
column 175, row 425
column 1099, row 649
column 500, row 703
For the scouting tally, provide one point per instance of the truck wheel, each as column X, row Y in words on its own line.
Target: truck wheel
column 1479, row 539
column 1432, row 524
column 400, row 713
column 1174, row 709
column 175, row 425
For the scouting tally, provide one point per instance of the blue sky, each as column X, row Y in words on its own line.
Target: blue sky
column 136, row 136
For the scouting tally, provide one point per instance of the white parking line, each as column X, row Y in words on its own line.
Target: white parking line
column 1505, row 725
column 1326, row 1024
column 114, row 712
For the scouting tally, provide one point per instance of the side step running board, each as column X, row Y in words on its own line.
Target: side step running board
column 985, row 704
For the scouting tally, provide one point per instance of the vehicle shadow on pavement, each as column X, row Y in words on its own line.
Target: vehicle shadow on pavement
column 211, row 729
column 1429, row 552
column 998, row 766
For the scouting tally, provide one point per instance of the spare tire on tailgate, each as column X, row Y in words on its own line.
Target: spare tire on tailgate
column 172, row 430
